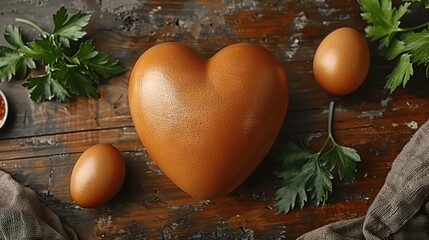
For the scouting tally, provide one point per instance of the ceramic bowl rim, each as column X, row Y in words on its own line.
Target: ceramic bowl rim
column 6, row 111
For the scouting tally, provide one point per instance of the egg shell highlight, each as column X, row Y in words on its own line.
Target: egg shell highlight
column 97, row 175
column 341, row 61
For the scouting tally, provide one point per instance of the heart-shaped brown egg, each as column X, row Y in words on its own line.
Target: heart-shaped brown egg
column 207, row 123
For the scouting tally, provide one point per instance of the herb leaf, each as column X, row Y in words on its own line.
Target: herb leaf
column 70, row 28
column 298, row 165
column 408, row 45
column 401, row 74
column 42, row 49
column 417, row 43
column 13, row 36
column 67, row 70
column 396, row 48
column 9, row 59
column 304, row 171
column 383, row 19
column 344, row 159
column 12, row 63
column 99, row 62
column 44, row 87
column 77, row 81
column 320, row 185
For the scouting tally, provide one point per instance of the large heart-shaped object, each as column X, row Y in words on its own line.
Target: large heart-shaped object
column 207, row 123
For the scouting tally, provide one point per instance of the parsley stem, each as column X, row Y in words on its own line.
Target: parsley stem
column 413, row 28
column 330, row 135
column 35, row 26
column 330, row 117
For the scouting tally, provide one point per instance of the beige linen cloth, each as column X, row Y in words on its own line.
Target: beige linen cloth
column 400, row 210
column 22, row 216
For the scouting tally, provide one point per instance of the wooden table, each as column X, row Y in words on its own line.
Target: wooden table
column 41, row 141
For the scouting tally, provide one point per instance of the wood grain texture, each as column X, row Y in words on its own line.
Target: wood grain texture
column 41, row 141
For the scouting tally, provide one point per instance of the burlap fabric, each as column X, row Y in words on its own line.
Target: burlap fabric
column 400, row 210
column 22, row 216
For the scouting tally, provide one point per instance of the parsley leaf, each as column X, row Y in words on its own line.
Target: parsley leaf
column 344, row 159
column 44, row 87
column 417, row 43
column 408, row 45
column 13, row 36
column 12, row 63
column 68, row 70
column 304, row 171
column 401, row 74
column 99, row 62
column 396, row 48
column 69, row 28
column 42, row 49
column 320, row 184
column 383, row 19
column 297, row 169
column 9, row 59
column 301, row 172
column 77, row 81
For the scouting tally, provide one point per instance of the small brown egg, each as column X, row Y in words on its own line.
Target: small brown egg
column 341, row 61
column 97, row 175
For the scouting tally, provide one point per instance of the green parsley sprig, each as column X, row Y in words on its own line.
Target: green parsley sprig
column 306, row 172
column 408, row 45
column 72, row 65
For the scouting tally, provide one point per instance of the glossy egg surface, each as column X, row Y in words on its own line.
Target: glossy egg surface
column 341, row 61
column 97, row 175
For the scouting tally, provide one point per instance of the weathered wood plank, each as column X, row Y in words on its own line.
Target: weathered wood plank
column 41, row 141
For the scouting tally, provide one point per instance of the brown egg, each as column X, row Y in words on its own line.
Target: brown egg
column 97, row 175
column 341, row 61
column 207, row 123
